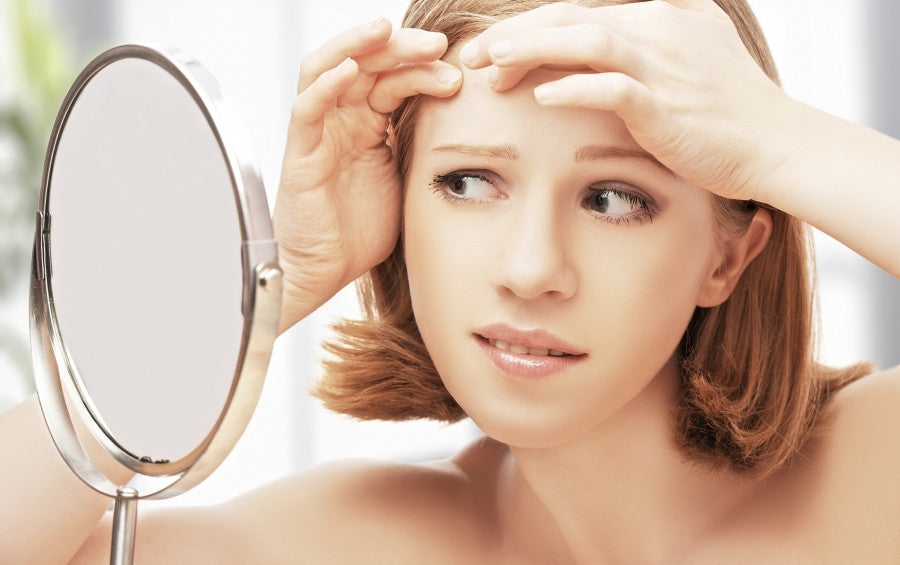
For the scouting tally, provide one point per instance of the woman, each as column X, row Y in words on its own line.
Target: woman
column 598, row 257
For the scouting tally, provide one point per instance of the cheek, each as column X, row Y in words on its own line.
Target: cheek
column 665, row 273
column 444, row 256
column 649, row 281
column 653, row 289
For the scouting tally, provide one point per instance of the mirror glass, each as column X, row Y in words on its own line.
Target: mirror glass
column 146, row 259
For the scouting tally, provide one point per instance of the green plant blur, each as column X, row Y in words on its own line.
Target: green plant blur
column 40, row 78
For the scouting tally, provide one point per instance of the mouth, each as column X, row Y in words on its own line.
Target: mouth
column 536, row 342
column 527, row 355
column 524, row 350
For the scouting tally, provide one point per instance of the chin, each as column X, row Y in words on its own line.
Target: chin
column 545, row 415
column 534, row 427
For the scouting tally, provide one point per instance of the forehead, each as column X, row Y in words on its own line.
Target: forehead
column 479, row 115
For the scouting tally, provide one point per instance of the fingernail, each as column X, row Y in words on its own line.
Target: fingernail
column 500, row 49
column 493, row 76
column 469, row 53
column 345, row 65
column 544, row 92
column 435, row 40
column 448, row 75
column 376, row 26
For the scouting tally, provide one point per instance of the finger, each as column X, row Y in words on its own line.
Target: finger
column 611, row 92
column 585, row 45
column 406, row 46
column 504, row 78
column 569, row 48
column 433, row 79
column 313, row 103
column 475, row 54
column 356, row 42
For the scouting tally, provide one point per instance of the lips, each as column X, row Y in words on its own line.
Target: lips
column 508, row 338
column 533, row 354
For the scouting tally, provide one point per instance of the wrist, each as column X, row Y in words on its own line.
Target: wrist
column 302, row 294
column 297, row 303
column 784, row 133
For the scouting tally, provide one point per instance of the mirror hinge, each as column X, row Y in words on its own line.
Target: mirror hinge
column 42, row 247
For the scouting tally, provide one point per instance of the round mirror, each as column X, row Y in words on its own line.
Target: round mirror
column 145, row 249
column 155, row 286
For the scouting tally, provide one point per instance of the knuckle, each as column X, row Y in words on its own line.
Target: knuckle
column 599, row 41
column 624, row 91
column 417, row 70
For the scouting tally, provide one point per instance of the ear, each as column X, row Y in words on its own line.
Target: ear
column 391, row 140
column 736, row 255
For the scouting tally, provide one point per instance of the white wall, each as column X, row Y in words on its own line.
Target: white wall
column 820, row 50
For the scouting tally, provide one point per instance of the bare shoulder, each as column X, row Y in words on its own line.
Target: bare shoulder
column 859, row 447
column 370, row 512
column 863, row 421
column 844, row 495
column 838, row 501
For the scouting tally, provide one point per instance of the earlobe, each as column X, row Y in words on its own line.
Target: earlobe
column 736, row 256
column 391, row 140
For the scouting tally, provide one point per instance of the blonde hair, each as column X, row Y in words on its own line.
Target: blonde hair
column 751, row 389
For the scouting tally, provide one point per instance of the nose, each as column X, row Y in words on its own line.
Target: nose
column 533, row 260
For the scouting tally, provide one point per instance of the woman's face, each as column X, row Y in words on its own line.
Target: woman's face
column 553, row 264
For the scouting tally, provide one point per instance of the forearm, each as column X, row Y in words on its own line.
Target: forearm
column 842, row 178
column 46, row 512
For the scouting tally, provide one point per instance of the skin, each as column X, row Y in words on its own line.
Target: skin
column 606, row 487
column 523, row 248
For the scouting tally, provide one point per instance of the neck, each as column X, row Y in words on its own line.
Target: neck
column 624, row 491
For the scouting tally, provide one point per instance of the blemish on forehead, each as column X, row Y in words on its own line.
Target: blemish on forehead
column 475, row 77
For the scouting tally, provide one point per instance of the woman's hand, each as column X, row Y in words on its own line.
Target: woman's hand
column 337, row 213
column 678, row 75
column 675, row 72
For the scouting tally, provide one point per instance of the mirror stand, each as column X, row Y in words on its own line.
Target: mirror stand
column 147, row 178
column 124, row 526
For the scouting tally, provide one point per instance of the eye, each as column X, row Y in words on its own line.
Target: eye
column 465, row 186
column 619, row 205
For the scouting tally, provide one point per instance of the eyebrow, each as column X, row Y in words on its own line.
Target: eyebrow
column 599, row 152
column 586, row 153
column 490, row 151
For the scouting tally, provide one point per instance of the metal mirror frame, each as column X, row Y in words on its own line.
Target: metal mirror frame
column 261, row 301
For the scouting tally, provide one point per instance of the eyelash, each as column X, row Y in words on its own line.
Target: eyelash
column 646, row 208
column 442, row 186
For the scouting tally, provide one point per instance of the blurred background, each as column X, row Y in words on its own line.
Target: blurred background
column 835, row 55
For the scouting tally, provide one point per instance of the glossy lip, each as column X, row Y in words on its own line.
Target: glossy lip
column 524, row 366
